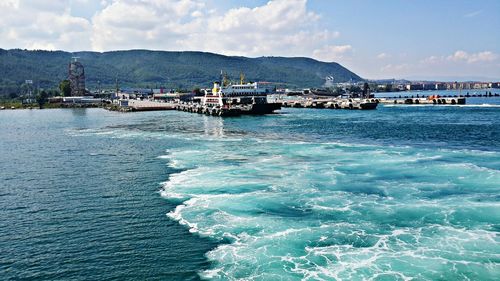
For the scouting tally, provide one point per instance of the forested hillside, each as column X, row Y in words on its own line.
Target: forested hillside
column 143, row 68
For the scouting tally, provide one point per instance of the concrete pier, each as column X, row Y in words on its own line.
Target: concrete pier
column 331, row 103
column 207, row 110
column 146, row 105
column 437, row 100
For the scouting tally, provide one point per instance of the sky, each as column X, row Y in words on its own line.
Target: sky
column 424, row 39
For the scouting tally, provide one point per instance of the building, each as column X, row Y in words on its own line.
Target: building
column 400, row 87
column 414, row 87
column 440, row 86
column 477, row 86
column 428, row 86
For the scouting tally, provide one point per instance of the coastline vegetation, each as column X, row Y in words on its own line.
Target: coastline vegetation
column 159, row 69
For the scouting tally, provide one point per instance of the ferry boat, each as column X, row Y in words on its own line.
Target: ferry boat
column 233, row 99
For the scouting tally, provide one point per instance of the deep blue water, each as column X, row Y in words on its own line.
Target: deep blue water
column 87, row 207
column 396, row 193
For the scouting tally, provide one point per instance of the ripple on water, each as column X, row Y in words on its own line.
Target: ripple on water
column 289, row 197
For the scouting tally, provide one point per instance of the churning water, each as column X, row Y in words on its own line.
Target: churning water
column 397, row 193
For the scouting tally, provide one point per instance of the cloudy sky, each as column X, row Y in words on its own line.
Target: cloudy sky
column 376, row 39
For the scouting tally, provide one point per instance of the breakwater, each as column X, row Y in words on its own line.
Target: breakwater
column 229, row 110
column 331, row 103
column 432, row 100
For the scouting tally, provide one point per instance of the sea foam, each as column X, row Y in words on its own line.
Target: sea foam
column 299, row 210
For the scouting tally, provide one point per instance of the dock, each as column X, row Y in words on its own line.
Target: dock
column 146, row 105
column 311, row 102
column 249, row 109
column 436, row 100
column 226, row 110
column 331, row 103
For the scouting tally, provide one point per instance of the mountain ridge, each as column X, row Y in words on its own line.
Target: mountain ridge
column 169, row 69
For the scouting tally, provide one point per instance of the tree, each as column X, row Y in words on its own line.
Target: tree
column 355, row 89
column 53, row 93
column 42, row 98
column 338, row 91
column 366, row 90
column 197, row 92
column 388, row 88
column 65, row 88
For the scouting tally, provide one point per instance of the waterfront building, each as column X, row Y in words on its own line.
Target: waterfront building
column 414, row 87
column 400, row 87
column 440, row 86
column 428, row 86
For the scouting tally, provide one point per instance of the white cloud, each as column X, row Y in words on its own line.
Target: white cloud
column 463, row 56
column 153, row 24
column 196, row 14
column 458, row 56
column 482, row 57
column 276, row 15
column 279, row 27
column 275, row 28
column 432, row 60
column 473, row 14
column 460, row 63
column 383, row 56
column 332, row 52
column 9, row 4
column 42, row 25
column 395, row 68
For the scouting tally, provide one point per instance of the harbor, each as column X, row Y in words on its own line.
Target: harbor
column 228, row 98
column 257, row 100
column 249, row 140
column 238, row 97
column 218, row 105
column 235, row 99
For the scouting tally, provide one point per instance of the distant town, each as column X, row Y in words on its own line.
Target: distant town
column 432, row 85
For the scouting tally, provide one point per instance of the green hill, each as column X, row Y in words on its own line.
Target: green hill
column 143, row 68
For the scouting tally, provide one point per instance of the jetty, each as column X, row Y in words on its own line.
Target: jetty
column 145, row 105
column 429, row 100
column 225, row 110
column 331, row 103
column 196, row 106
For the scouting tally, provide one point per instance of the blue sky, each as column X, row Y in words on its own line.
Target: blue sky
column 445, row 39
column 411, row 31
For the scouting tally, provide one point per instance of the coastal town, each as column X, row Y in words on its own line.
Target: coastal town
column 219, row 100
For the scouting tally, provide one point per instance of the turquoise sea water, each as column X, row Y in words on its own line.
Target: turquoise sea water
column 397, row 193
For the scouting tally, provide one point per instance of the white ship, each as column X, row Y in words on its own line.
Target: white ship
column 249, row 98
